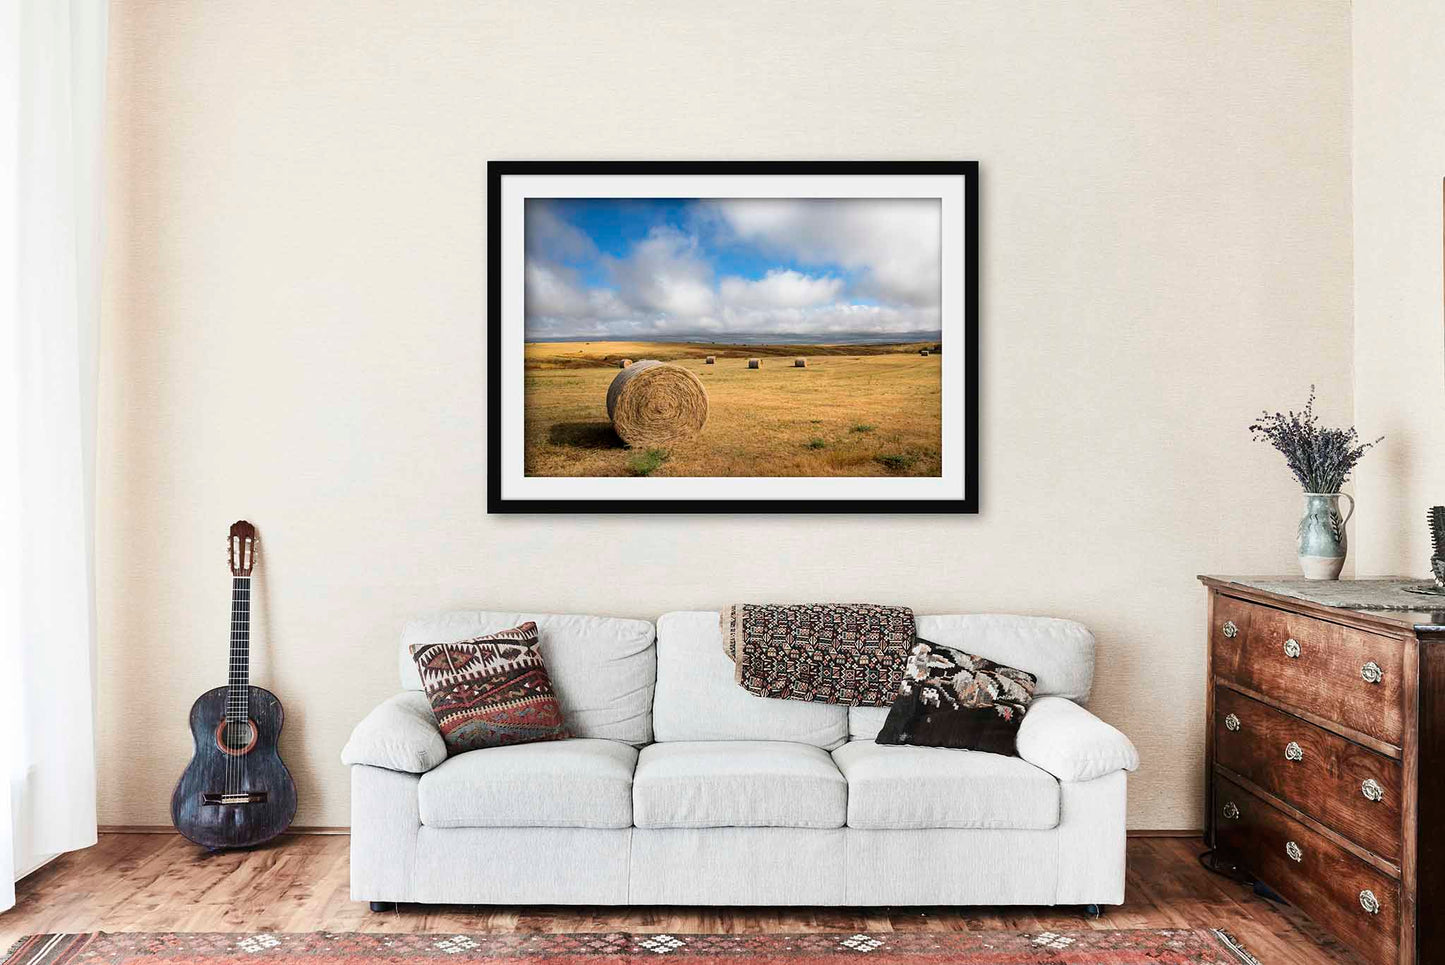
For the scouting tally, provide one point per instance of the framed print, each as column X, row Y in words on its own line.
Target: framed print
column 765, row 337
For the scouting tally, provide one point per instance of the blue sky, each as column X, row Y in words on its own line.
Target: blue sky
column 758, row 269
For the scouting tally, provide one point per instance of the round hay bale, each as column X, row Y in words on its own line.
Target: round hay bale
column 623, row 363
column 710, row 360
column 651, row 403
column 755, row 363
column 923, row 352
column 800, row 363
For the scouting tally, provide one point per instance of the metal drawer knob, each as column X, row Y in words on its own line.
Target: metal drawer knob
column 1291, row 648
column 1231, row 722
column 1372, row 790
column 1231, row 810
column 1230, row 630
column 1293, row 752
column 1293, row 850
column 1369, row 902
column 1371, row 673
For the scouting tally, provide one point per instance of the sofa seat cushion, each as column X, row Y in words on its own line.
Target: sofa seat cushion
column 737, row 784
column 899, row 787
column 577, row 783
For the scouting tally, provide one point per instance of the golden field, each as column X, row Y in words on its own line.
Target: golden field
column 856, row 410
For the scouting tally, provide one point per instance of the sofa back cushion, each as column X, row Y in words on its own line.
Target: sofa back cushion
column 698, row 700
column 1059, row 653
column 602, row 668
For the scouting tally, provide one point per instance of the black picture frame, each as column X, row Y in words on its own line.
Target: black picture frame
column 968, row 504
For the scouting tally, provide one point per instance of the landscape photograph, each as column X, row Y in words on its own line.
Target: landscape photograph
column 758, row 337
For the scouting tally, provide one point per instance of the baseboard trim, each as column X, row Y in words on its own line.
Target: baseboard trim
column 325, row 829
column 167, row 829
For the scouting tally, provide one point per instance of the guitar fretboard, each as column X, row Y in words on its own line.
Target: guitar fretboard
column 238, row 680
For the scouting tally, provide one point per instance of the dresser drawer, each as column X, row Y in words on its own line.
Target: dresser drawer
column 1324, row 880
column 1336, row 781
column 1331, row 671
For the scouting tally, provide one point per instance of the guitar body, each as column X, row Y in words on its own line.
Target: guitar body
column 239, row 795
column 236, row 793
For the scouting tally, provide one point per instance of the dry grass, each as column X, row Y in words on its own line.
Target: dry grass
column 853, row 411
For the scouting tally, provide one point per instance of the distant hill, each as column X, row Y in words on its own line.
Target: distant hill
column 570, row 355
column 776, row 338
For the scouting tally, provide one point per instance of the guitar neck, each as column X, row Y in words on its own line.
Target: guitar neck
column 238, row 680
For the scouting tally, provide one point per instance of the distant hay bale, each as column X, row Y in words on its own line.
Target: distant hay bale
column 710, row 360
column 651, row 403
column 755, row 363
column 923, row 352
column 623, row 363
column 800, row 363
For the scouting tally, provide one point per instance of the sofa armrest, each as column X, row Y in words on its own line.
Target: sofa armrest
column 1072, row 744
column 399, row 735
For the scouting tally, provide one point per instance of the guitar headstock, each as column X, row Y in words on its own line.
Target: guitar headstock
column 241, row 548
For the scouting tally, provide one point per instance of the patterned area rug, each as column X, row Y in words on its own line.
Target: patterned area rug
column 1111, row 947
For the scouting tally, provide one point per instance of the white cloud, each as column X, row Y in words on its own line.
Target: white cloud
column 779, row 288
column 549, row 236
column 556, row 292
column 836, row 318
column 894, row 243
column 666, row 286
column 840, row 318
column 665, row 272
column 550, row 291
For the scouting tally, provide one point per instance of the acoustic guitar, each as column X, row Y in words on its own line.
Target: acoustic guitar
column 236, row 793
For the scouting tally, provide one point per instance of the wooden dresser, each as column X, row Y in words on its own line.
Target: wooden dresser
column 1326, row 754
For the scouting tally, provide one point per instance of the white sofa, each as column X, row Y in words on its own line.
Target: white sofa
column 680, row 788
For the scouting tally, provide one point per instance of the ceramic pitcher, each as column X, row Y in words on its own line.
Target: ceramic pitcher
column 1321, row 543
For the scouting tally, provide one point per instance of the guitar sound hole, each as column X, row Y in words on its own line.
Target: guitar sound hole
column 236, row 736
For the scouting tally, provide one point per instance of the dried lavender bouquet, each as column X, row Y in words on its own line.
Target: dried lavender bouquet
column 1321, row 458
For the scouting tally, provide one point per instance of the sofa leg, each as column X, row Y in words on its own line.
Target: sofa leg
column 380, row 906
column 1093, row 911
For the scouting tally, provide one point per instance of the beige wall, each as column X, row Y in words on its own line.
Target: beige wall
column 1399, row 161
column 294, row 327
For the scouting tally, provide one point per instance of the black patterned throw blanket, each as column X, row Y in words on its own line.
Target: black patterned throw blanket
column 832, row 653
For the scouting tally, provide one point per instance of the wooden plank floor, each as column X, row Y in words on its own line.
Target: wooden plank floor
column 159, row 882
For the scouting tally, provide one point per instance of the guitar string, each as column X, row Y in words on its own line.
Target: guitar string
column 234, row 775
column 230, row 684
column 238, row 711
column 238, row 696
column 230, row 673
column 244, row 712
column 231, row 692
column 233, row 695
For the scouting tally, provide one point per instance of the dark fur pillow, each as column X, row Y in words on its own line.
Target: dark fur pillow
column 954, row 699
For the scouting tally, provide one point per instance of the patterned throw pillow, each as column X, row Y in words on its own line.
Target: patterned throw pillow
column 490, row 691
column 954, row 699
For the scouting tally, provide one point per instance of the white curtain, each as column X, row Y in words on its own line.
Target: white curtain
column 52, row 55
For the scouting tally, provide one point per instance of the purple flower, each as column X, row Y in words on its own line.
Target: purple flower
column 1321, row 458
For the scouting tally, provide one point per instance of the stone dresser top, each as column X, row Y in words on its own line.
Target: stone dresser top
column 1398, row 600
